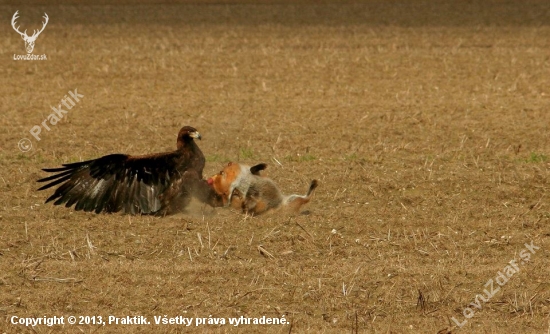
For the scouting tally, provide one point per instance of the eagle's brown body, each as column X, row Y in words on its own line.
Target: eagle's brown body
column 150, row 184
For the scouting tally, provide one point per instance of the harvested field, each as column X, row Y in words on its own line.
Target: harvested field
column 426, row 124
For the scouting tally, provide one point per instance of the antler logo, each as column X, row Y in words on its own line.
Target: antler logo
column 29, row 40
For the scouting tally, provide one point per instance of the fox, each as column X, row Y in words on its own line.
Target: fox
column 243, row 187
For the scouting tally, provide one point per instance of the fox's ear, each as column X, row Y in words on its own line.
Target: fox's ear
column 255, row 170
column 229, row 164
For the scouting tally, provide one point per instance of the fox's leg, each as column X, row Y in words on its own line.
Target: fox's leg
column 261, row 207
column 295, row 202
column 249, row 203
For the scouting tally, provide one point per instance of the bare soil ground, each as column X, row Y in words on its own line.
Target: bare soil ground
column 426, row 123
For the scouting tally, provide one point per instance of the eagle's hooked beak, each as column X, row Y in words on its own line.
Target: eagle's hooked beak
column 195, row 134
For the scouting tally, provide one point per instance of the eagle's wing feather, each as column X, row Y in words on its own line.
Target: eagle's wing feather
column 115, row 182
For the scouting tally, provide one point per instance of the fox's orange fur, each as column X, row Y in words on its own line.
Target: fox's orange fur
column 244, row 188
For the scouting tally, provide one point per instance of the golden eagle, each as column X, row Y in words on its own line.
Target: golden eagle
column 149, row 184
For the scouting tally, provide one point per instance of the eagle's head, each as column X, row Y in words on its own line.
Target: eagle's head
column 187, row 134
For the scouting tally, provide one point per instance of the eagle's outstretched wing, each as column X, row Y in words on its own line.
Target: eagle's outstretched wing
column 156, row 183
column 116, row 182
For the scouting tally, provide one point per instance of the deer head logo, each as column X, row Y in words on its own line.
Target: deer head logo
column 29, row 40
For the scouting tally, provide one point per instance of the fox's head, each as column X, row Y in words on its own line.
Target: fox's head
column 221, row 182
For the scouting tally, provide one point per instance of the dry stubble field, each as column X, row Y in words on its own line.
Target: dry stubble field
column 427, row 125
